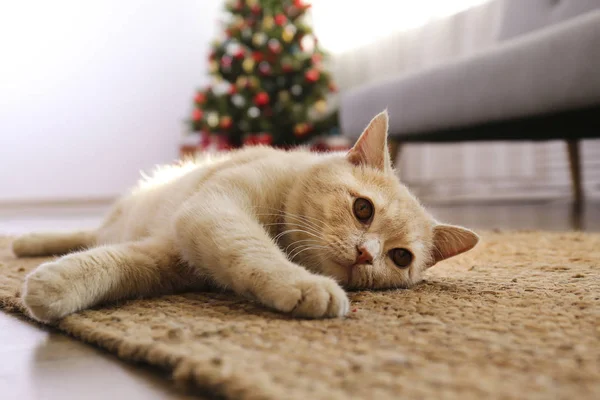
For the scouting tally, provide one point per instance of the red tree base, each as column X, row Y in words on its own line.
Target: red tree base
column 205, row 143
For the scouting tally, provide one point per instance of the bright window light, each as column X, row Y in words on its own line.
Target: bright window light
column 342, row 24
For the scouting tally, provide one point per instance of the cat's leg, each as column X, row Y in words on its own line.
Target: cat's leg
column 48, row 244
column 222, row 240
column 103, row 274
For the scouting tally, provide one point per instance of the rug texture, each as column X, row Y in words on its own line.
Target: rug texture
column 519, row 317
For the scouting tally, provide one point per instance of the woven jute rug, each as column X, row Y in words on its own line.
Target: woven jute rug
column 519, row 317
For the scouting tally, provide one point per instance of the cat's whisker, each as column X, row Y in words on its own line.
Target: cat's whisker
column 305, row 218
column 311, row 261
column 292, row 214
column 301, row 241
column 296, row 218
column 293, row 224
column 307, row 247
column 308, row 219
column 281, row 213
column 276, row 238
column 318, row 220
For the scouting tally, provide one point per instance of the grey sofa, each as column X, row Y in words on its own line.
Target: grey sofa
column 541, row 82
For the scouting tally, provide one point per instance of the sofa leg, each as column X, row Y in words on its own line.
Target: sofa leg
column 575, row 166
column 394, row 147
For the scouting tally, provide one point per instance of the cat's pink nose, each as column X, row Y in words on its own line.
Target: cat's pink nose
column 363, row 256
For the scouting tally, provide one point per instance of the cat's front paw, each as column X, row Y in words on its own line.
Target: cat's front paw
column 320, row 297
column 46, row 293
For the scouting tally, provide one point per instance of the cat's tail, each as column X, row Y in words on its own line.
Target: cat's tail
column 49, row 244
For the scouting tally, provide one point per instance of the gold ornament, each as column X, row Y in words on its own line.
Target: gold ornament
column 241, row 82
column 321, row 106
column 213, row 66
column 248, row 64
column 287, row 35
column 251, row 3
column 226, row 122
column 284, row 96
column 238, row 22
column 253, row 82
column 259, row 39
column 268, row 22
column 300, row 129
column 212, row 119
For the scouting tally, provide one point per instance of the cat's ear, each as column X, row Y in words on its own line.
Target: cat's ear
column 451, row 240
column 371, row 147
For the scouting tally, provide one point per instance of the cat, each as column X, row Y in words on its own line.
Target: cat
column 287, row 229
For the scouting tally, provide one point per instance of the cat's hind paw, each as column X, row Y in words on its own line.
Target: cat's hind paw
column 320, row 297
column 46, row 294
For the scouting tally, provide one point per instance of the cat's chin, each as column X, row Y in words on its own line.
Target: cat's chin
column 338, row 271
column 352, row 277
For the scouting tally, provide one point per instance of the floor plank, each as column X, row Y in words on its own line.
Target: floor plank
column 37, row 363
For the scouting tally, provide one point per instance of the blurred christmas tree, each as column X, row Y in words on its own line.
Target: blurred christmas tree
column 269, row 85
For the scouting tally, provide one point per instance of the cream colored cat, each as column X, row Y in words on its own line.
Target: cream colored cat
column 287, row 229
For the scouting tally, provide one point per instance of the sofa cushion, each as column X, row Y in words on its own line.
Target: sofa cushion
column 555, row 69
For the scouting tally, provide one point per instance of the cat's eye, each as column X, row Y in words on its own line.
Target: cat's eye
column 363, row 209
column 401, row 257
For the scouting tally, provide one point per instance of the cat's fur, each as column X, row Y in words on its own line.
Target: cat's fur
column 275, row 226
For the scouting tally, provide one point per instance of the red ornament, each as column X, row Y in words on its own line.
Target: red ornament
column 264, row 138
column 257, row 56
column 211, row 55
column 226, row 122
column 264, row 68
column 240, row 54
column 312, row 75
column 300, row 4
column 232, row 89
column 200, row 98
column 274, row 46
column 254, row 139
column 226, row 61
column 197, row 115
column 287, row 67
column 280, row 19
column 204, row 139
column 333, row 87
column 223, row 142
column 255, row 9
column 317, row 58
column 261, row 99
column 318, row 147
column 250, row 140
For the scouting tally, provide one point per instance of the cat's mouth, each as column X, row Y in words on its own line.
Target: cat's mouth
column 349, row 270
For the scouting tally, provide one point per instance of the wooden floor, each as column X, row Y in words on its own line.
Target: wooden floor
column 37, row 363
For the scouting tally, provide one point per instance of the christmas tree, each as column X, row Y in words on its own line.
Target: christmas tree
column 269, row 84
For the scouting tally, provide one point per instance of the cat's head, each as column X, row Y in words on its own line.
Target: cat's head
column 358, row 224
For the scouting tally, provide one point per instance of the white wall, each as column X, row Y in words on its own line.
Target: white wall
column 93, row 91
